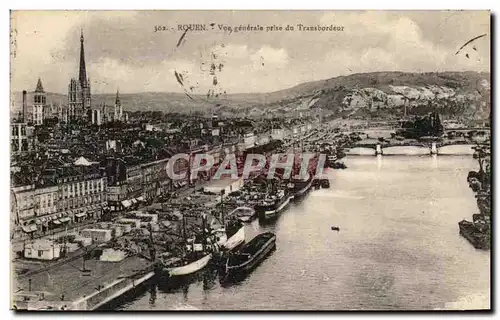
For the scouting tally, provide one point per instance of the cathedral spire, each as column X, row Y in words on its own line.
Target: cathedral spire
column 83, row 72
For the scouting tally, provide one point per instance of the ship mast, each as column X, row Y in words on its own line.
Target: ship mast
column 203, row 234
column 152, row 251
column 184, row 235
column 222, row 217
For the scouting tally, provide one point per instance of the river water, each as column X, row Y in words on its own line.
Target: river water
column 398, row 247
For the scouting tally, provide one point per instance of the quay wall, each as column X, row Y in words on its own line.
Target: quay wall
column 109, row 293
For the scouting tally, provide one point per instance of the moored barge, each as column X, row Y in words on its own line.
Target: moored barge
column 250, row 254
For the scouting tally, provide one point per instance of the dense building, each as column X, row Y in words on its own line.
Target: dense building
column 131, row 180
column 58, row 197
column 79, row 98
column 45, row 202
column 96, row 117
column 62, row 113
column 155, row 179
column 62, row 188
column 105, row 114
column 21, row 138
column 23, row 202
column 82, row 191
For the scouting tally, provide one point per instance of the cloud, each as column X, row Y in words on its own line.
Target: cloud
column 122, row 49
column 270, row 57
column 393, row 43
column 109, row 74
column 233, row 51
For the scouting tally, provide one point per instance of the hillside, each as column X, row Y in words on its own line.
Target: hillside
column 456, row 94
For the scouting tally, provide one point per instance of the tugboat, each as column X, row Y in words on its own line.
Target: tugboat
column 270, row 207
column 301, row 188
column 316, row 184
column 250, row 254
column 338, row 165
column 325, row 183
column 331, row 159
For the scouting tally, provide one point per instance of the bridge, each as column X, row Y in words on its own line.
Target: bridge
column 389, row 130
column 412, row 148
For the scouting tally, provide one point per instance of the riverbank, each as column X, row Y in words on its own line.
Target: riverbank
column 478, row 232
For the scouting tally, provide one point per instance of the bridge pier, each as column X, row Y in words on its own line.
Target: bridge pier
column 434, row 148
column 378, row 150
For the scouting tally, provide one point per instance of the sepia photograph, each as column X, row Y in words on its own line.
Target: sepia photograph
column 246, row 160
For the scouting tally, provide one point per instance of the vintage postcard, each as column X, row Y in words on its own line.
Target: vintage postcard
column 250, row 160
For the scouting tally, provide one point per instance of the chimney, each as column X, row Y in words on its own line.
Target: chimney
column 23, row 119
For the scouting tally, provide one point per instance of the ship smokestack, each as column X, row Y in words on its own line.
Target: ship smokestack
column 24, row 107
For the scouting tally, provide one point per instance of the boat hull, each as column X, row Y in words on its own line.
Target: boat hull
column 190, row 268
column 222, row 240
column 257, row 258
column 272, row 213
column 302, row 192
column 236, row 240
column 244, row 218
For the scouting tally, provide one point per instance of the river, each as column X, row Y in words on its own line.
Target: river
column 398, row 247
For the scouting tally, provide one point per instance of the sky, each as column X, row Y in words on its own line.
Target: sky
column 123, row 51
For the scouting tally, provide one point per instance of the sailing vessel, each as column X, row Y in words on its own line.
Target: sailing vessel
column 250, row 254
column 198, row 252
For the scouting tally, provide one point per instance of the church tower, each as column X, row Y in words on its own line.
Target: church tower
column 118, row 116
column 79, row 98
column 39, row 102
